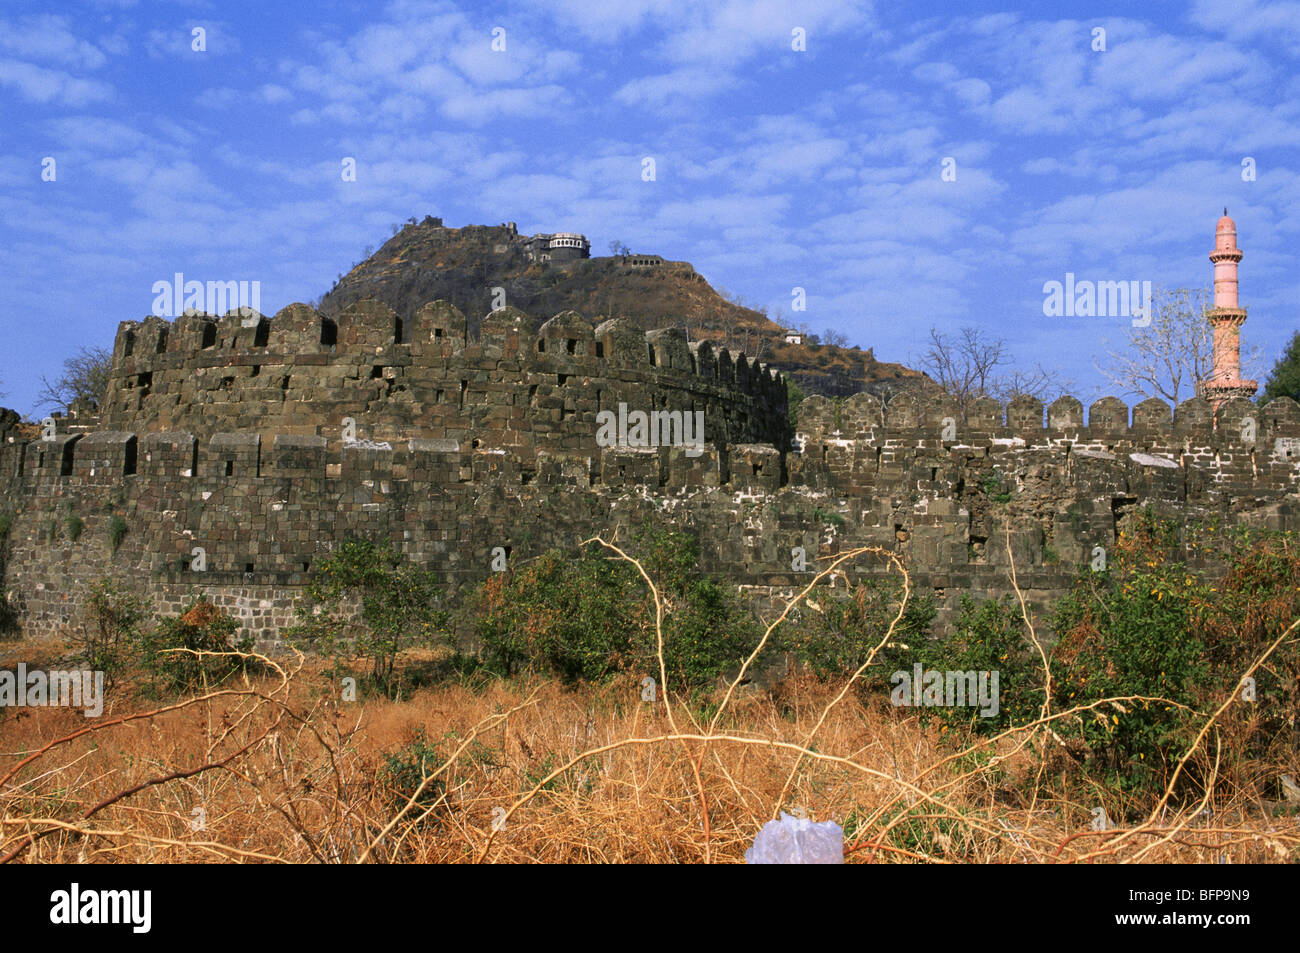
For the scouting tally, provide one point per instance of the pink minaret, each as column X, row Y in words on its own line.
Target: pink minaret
column 1227, row 318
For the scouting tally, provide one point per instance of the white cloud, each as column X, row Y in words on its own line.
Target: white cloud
column 41, row 85
column 1251, row 19
column 274, row 93
column 48, row 37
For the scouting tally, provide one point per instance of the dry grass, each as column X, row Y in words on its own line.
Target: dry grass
column 278, row 770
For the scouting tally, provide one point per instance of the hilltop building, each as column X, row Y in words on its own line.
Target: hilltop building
column 558, row 247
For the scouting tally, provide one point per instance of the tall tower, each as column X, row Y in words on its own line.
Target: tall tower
column 1227, row 318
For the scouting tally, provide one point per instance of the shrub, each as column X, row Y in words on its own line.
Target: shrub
column 578, row 618
column 404, row 770
column 369, row 599
column 201, row 627
column 988, row 636
column 116, row 530
column 73, row 525
column 110, row 626
column 833, row 635
column 991, row 483
column 828, row 517
column 794, row 396
column 590, row 616
column 705, row 635
column 1146, row 626
column 705, row 631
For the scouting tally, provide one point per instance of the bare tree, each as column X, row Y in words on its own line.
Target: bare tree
column 971, row 364
column 885, row 391
column 617, row 249
column 1174, row 353
column 85, row 377
column 1169, row 356
column 964, row 365
column 835, row 338
column 1036, row 382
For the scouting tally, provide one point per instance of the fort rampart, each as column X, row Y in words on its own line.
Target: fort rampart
column 232, row 453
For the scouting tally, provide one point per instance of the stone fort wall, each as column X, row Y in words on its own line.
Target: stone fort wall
column 301, row 373
column 465, row 446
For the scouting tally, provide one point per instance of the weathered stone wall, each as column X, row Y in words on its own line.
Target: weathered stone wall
column 266, row 486
column 300, row 372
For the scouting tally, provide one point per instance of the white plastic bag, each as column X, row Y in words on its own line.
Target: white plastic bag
column 797, row 840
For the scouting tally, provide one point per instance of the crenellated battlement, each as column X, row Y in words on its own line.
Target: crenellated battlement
column 301, row 372
column 836, row 447
column 1271, row 431
column 233, row 453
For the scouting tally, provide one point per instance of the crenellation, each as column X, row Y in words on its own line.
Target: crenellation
column 451, row 447
column 984, row 417
column 51, row 458
column 861, row 415
column 1108, row 418
column 903, row 413
column 1065, row 417
column 298, row 456
column 1025, row 418
column 228, row 455
column 726, row 367
column 105, row 457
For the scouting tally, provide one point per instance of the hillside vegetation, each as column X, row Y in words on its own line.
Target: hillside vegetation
column 426, row 261
column 1155, row 722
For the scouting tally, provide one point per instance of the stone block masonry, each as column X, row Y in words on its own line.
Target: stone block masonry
column 252, row 446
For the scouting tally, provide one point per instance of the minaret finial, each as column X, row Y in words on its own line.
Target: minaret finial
column 1225, row 210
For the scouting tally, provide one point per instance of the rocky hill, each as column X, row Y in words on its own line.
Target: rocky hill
column 427, row 261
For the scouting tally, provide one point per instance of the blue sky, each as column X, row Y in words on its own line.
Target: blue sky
column 775, row 168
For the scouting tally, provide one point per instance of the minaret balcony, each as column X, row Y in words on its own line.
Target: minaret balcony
column 1235, row 316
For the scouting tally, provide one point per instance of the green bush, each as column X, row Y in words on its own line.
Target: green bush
column 73, row 526
column 794, row 396
column 201, row 627
column 828, row 517
column 586, row 617
column 988, row 636
column 366, row 598
column 1147, row 626
column 578, row 618
column 405, row 769
column 111, row 620
column 833, row 635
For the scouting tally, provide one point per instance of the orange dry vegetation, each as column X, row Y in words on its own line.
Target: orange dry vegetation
column 277, row 771
column 280, row 769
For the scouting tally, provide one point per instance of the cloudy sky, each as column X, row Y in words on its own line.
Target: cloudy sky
column 795, row 145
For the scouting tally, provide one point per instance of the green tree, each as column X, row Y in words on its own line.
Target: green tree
column 794, row 396
column 588, row 616
column 369, row 598
column 1284, row 381
column 173, row 652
